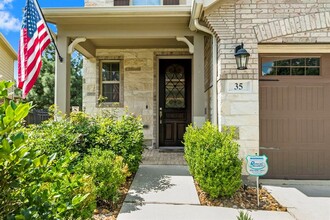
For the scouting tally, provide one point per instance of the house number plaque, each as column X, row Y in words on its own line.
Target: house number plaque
column 239, row 86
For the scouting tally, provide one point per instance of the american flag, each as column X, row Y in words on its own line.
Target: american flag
column 34, row 39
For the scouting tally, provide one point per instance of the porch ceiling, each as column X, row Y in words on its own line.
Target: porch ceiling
column 122, row 27
column 137, row 43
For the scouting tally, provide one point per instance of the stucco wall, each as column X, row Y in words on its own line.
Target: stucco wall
column 140, row 84
column 253, row 22
column 6, row 64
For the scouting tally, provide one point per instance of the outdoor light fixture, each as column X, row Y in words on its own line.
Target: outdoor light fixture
column 242, row 57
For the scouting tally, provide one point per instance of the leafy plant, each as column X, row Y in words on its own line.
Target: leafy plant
column 34, row 185
column 108, row 172
column 52, row 137
column 212, row 157
column 244, row 216
column 81, row 132
column 124, row 136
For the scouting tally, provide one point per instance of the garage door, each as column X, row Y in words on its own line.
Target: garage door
column 295, row 115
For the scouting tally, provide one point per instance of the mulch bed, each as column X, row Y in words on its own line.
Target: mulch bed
column 244, row 198
column 110, row 211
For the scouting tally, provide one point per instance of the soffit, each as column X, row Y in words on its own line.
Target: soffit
column 137, row 43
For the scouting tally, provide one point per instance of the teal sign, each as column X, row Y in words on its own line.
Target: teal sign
column 257, row 165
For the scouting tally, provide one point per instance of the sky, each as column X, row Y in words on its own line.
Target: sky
column 11, row 12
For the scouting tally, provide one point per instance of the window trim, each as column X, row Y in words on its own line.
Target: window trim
column 120, row 82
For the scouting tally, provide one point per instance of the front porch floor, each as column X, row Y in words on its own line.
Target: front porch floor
column 155, row 157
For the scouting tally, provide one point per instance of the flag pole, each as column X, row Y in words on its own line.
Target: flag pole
column 48, row 30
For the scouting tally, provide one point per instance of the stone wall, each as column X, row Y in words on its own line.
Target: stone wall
column 110, row 3
column 253, row 22
column 139, row 69
column 98, row 3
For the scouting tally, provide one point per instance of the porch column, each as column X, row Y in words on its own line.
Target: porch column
column 62, row 75
column 198, row 99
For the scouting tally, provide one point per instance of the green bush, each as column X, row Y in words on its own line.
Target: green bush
column 212, row 157
column 34, row 185
column 81, row 132
column 52, row 137
column 124, row 136
column 108, row 172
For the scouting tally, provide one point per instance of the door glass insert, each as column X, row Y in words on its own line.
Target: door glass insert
column 175, row 87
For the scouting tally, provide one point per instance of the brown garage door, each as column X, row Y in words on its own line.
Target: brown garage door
column 295, row 115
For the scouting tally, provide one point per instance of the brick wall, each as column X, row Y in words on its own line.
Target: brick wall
column 208, row 76
column 207, row 63
column 266, row 21
column 255, row 22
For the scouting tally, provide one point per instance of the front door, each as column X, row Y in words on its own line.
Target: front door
column 174, row 100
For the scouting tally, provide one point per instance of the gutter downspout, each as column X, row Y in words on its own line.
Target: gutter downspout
column 214, row 70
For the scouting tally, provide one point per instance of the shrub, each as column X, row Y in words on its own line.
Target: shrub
column 124, row 136
column 34, row 185
column 81, row 132
column 213, row 160
column 108, row 172
column 86, row 129
column 52, row 137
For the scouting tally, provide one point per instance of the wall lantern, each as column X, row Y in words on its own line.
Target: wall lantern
column 242, row 57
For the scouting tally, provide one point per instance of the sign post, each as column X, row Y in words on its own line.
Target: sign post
column 257, row 166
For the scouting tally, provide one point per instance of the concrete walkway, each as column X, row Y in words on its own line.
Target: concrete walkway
column 305, row 200
column 167, row 192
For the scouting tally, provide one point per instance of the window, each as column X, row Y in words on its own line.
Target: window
column 175, row 87
column 171, row 2
column 293, row 66
column 146, row 2
column 110, row 81
column 121, row 2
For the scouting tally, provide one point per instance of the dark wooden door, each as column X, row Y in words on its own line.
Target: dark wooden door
column 174, row 100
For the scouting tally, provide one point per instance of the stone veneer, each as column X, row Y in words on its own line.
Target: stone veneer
column 139, row 69
column 110, row 3
column 253, row 22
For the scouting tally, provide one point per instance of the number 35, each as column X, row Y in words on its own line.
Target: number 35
column 238, row 86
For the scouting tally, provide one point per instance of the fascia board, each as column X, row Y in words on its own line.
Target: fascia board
column 116, row 12
column 11, row 50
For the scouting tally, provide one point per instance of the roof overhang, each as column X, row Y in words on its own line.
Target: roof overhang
column 11, row 51
column 123, row 14
column 122, row 27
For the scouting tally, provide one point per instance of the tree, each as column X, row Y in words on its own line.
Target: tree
column 43, row 92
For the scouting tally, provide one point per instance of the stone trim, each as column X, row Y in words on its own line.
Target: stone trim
column 293, row 25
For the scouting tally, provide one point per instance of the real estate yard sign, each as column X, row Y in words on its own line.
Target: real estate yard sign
column 257, row 166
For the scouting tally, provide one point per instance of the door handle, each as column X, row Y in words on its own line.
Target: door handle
column 160, row 115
